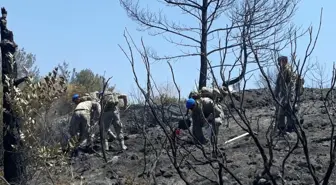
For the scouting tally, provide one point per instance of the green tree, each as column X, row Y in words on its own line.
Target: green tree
column 26, row 64
column 64, row 70
column 88, row 79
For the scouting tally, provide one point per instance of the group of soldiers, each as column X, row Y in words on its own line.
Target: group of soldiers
column 207, row 110
column 205, row 106
column 87, row 113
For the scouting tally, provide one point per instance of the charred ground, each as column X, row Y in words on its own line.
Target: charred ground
column 242, row 157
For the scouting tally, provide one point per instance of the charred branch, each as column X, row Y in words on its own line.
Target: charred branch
column 14, row 164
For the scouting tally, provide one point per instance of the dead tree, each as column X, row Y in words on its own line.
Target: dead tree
column 14, row 164
column 271, row 18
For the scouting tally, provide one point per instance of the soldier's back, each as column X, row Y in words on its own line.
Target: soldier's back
column 207, row 105
column 85, row 105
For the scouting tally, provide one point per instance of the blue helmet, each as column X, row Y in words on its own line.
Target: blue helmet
column 75, row 97
column 190, row 103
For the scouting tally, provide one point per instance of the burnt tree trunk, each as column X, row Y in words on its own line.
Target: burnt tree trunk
column 14, row 165
column 204, row 52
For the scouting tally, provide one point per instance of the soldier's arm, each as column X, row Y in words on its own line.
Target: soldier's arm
column 218, row 111
column 124, row 98
column 199, row 108
column 96, row 106
column 224, row 91
column 201, row 103
column 277, row 85
column 289, row 75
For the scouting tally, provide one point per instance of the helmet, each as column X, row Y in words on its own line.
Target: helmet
column 190, row 103
column 75, row 97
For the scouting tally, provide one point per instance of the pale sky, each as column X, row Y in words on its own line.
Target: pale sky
column 87, row 33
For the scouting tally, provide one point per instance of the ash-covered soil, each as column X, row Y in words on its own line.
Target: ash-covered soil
column 242, row 157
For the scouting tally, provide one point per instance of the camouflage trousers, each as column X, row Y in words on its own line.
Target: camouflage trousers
column 113, row 118
column 284, row 118
column 197, row 130
column 80, row 122
column 215, row 129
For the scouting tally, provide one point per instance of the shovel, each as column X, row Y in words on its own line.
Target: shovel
column 236, row 138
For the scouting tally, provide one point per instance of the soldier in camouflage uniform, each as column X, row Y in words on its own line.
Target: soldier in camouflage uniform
column 112, row 117
column 205, row 110
column 284, row 89
column 81, row 120
column 92, row 96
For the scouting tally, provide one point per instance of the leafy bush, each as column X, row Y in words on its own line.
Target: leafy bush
column 31, row 105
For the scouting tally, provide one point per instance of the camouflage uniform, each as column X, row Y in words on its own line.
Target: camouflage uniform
column 92, row 96
column 215, row 94
column 284, row 90
column 112, row 117
column 206, row 110
column 81, row 121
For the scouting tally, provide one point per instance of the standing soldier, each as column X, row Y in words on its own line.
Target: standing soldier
column 284, row 90
column 81, row 120
column 112, row 116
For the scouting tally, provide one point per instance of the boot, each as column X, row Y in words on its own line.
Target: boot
column 111, row 135
column 122, row 145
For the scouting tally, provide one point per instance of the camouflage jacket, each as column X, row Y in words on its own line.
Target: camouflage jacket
column 204, row 109
column 93, row 108
column 284, row 86
column 111, row 101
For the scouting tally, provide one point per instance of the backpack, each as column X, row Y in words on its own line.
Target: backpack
column 212, row 93
column 215, row 94
column 111, row 100
column 89, row 97
column 297, row 80
column 299, row 85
